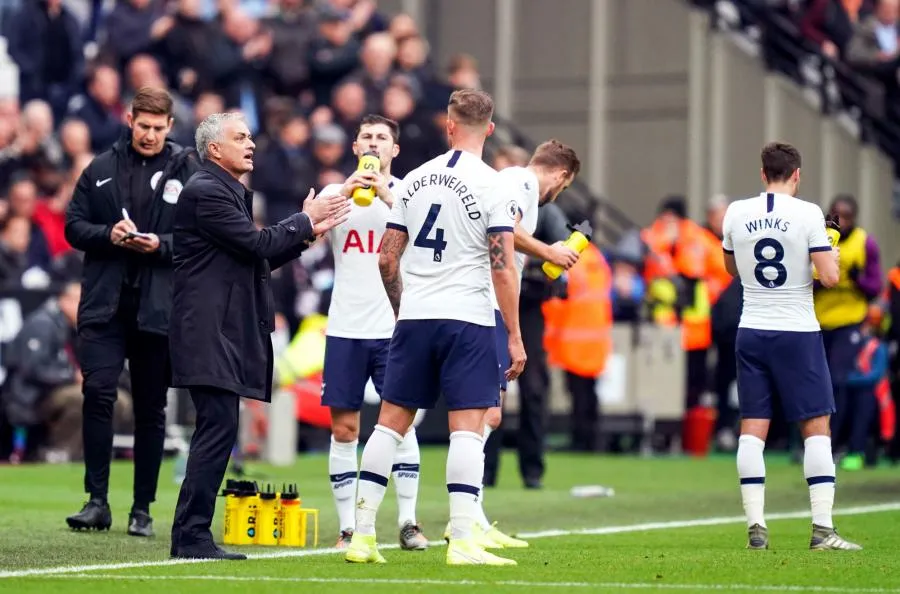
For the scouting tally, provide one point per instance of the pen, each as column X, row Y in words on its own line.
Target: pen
column 125, row 215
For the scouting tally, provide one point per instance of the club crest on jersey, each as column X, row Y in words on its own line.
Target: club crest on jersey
column 171, row 191
column 511, row 209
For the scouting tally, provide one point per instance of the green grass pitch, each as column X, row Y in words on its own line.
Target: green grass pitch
column 674, row 524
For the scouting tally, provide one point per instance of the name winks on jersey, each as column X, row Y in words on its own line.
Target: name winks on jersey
column 453, row 184
column 763, row 224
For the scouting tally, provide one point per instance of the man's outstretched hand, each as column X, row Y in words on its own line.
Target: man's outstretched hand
column 326, row 212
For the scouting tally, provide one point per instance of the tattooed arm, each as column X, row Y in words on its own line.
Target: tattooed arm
column 506, row 288
column 392, row 246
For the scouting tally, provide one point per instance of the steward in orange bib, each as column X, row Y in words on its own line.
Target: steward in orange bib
column 577, row 339
column 677, row 271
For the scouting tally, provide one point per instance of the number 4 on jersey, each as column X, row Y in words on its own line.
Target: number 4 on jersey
column 422, row 240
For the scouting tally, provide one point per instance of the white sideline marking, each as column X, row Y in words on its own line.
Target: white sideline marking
column 433, row 582
column 76, row 569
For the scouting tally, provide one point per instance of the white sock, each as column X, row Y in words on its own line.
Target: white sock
column 752, row 471
column 481, row 517
column 342, row 472
column 818, row 468
column 374, row 470
column 406, row 478
column 465, row 469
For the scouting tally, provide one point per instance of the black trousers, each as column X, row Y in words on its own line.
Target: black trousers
column 102, row 350
column 585, row 412
column 725, row 375
column 214, row 436
column 533, row 386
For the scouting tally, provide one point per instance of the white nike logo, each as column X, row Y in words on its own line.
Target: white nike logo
column 100, row 182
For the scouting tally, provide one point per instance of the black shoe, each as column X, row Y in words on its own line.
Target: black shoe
column 533, row 483
column 140, row 523
column 95, row 515
column 209, row 551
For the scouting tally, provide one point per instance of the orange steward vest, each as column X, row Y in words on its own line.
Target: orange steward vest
column 577, row 329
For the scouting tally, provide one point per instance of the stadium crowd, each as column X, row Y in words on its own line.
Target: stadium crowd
column 77, row 65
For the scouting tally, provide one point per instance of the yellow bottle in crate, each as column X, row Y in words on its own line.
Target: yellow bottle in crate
column 248, row 509
column 578, row 240
column 289, row 533
column 368, row 162
column 267, row 524
column 232, row 503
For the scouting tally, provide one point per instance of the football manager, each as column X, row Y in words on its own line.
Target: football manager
column 223, row 310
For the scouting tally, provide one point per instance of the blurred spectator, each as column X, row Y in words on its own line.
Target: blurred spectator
column 333, row 54
column 184, row 48
column 143, row 70
column 510, row 155
column 330, row 150
column 44, row 383
column 75, row 138
column 50, row 215
column 377, row 56
column 284, row 171
column 14, row 239
column 330, row 176
column 403, row 26
column 419, row 138
column 361, row 16
column 206, row 104
column 830, row 24
column 868, row 381
column 34, row 150
column 23, row 199
column 101, row 107
column 627, row 285
column 874, row 47
column 348, row 108
column 237, row 57
column 293, row 29
column 462, row 72
column 134, row 27
column 46, row 43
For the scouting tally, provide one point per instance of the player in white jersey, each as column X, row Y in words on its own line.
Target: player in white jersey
column 769, row 241
column 360, row 324
column 460, row 236
column 551, row 169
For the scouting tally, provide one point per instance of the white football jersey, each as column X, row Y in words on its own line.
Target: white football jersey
column 359, row 304
column 448, row 207
column 771, row 237
column 520, row 185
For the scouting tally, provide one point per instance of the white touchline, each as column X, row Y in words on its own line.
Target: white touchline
column 434, row 582
column 74, row 569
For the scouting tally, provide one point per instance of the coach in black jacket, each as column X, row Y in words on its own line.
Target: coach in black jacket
column 126, row 298
column 223, row 311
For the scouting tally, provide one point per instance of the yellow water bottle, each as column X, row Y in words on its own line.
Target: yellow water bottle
column 289, row 534
column 578, row 240
column 247, row 516
column 267, row 518
column 232, row 504
column 369, row 161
